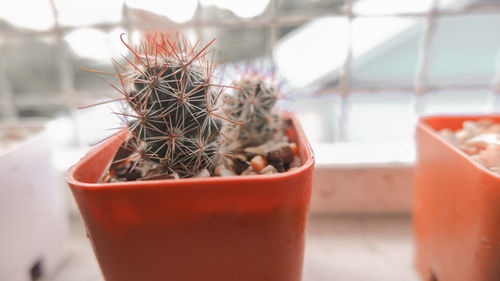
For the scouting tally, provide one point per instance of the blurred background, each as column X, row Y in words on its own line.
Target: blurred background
column 357, row 73
column 354, row 71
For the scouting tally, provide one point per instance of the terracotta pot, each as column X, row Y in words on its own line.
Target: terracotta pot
column 219, row 228
column 456, row 208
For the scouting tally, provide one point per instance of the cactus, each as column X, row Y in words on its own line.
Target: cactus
column 173, row 124
column 253, row 105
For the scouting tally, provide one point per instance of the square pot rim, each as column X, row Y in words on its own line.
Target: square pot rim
column 307, row 165
column 427, row 128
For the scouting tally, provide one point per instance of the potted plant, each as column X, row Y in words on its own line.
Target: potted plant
column 153, row 205
column 34, row 230
column 457, row 204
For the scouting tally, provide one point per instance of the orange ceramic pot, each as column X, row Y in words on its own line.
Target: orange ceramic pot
column 456, row 208
column 244, row 228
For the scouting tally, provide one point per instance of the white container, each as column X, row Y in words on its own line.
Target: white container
column 33, row 218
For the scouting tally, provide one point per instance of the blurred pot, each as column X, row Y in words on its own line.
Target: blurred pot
column 456, row 208
column 33, row 217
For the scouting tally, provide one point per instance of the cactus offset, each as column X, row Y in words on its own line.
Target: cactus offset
column 173, row 127
column 253, row 105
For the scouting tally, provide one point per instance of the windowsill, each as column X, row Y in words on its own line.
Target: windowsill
column 363, row 178
column 364, row 154
column 337, row 247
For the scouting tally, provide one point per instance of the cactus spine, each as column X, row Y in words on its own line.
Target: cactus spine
column 173, row 125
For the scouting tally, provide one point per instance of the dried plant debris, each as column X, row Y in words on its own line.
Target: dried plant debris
column 480, row 140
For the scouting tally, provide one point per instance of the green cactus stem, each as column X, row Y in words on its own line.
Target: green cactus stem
column 253, row 106
column 173, row 122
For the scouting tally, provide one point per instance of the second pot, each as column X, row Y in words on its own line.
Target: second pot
column 456, row 214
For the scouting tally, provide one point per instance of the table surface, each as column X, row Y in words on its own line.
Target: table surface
column 347, row 248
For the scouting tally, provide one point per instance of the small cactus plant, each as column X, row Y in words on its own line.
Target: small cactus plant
column 253, row 105
column 174, row 129
column 173, row 124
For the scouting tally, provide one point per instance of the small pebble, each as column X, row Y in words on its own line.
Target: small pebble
column 449, row 136
column 256, row 150
column 156, row 174
column 258, row 163
column 284, row 139
column 121, row 172
column 283, row 152
column 228, row 162
column 490, row 156
column 295, row 148
column 269, row 169
column 484, row 124
column 239, row 162
column 203, row 174
column 249, row 171
column 295, row 163
column 478, row 139
column 468, row 149
column 495, row 129
column 486, row 138
column 468, row 131
column 478, row 142
column 106, row 177
column 218, row 169
column 223, row 171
